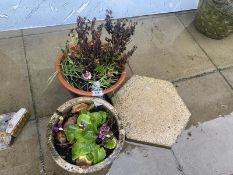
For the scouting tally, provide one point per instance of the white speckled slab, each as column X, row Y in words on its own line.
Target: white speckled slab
column 151, row 110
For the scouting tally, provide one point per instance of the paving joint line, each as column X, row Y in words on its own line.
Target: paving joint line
column 41, row 156
column 194, row 76
column 216, row 67
column 226, row 68
column 130, row 67
column 29, row 77
column 180, row 167
column 49, row 32
column 10, row 37
column 146, row 143
column 45, row 116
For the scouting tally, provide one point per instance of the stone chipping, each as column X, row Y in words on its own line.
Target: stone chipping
column 151, row 110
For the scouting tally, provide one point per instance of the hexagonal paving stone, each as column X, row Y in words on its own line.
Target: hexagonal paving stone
column 151, row 110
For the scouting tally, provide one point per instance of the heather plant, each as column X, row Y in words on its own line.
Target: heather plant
column 90, row 58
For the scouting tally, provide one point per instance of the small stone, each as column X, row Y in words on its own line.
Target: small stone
column 79, row 107
column 189, row 134
column 71, row 120
column 83, row 162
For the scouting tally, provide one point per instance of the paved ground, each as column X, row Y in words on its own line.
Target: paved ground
column 169, row 48
column 207, row 149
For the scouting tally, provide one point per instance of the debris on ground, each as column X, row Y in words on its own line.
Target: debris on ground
column 10, row 126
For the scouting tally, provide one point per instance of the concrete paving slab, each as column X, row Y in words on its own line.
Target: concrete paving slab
column 49, row 29
column 48, row 162
column 186, row 17
column 220, row 51
column 129, row 72
column 23, row 156
column 41, row 52
column 15, row 88
column 228, row 74
column 26, row 169
column 166, row 50
column 151, row 110
column 10, row 34
column 135, row 159
column 207, row 149
column 207, row 97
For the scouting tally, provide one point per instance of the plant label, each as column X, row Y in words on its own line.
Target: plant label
column 97, row 93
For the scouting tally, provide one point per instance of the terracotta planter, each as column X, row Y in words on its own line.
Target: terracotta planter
column 63, row 167
column 81, row 92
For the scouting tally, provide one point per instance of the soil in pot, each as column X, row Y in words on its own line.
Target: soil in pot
column 64, row 146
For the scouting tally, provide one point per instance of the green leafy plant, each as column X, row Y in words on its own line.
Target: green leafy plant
column 84, row 135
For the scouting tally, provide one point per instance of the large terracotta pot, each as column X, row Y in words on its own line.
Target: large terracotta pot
column 81, row 92
column 61, row 166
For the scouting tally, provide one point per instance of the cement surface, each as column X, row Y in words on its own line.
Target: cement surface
column 10, row 34
column 207, row 149
column 219, row 51
column 207, row 97
column 15, row 88
column 138, row 159
column 228, row 74
column 41, row 51
column 166, row 50
column 22, row 158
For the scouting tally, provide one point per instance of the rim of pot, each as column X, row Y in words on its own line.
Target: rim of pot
column 94, row 168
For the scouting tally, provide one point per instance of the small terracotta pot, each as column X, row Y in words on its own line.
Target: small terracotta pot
column 71, row 88
column 63, row 167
